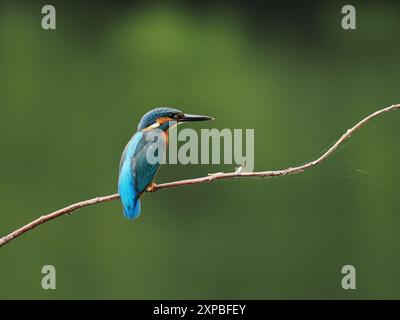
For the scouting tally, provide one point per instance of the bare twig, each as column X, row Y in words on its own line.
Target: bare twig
column 209, row 178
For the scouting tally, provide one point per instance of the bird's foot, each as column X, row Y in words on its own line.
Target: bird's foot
column 151, row 187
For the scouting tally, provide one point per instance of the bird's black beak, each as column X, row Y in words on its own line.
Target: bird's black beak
column 194, row 117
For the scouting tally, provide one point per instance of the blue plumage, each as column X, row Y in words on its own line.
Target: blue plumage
column 136, row 172
column 126, row 186
column 153, row 115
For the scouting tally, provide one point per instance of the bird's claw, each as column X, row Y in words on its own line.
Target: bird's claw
column 151, row 187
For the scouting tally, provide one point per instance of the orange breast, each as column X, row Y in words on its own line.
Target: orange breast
column 165, row 134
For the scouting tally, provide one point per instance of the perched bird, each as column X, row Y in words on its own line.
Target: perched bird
column 136, row 172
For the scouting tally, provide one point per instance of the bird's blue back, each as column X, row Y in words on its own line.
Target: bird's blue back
column 136, row 172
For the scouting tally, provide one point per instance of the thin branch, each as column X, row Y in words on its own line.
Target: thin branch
column 55, row 214
column 209, row 178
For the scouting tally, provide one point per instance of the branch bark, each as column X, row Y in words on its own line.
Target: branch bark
column 216, row 176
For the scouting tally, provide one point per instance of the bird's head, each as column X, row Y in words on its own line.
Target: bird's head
column 162, row 117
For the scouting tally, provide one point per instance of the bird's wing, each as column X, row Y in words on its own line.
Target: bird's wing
column 145, row 160
column 130, row 149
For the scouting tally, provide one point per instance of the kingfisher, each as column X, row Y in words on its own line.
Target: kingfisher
column 136, row 172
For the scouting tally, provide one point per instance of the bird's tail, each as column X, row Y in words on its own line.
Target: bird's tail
column 132, row 210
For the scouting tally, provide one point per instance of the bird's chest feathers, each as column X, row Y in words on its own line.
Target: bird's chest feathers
column 165, row 136
column 154, row 135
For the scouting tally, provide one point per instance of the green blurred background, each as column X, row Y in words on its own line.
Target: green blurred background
column 71, row 98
